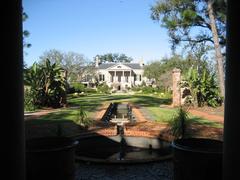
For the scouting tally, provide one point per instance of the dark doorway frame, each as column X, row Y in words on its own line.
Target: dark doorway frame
column 14, row 143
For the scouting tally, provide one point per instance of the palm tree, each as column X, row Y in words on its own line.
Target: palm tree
column 48, row 82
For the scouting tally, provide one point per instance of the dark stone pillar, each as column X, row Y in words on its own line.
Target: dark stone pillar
column 12, row 118
column 232, row 99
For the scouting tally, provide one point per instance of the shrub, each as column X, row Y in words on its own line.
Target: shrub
column 90, row 90
column 78, row 87
column 103, row 88
column 203, row 86
column 179, row 123
column 70, row 90
column 148, row 89
column 29, row 97
column 82, row 118
column 48, row 83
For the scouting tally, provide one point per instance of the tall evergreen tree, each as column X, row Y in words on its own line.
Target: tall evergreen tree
column 195, row 22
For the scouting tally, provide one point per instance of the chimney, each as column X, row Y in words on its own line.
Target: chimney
column 141, row 62
column 97, row 61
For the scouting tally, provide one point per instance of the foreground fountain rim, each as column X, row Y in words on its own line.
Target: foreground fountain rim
column 169, row 156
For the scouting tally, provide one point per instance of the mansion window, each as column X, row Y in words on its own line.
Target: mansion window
column 135, row 77
column 101, row 77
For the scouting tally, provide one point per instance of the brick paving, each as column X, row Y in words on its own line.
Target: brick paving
column 143, row 126
column 100, row 112
column 138, row 114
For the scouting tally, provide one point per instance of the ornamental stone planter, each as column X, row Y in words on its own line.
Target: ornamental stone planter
column 50, row 158
column 197, row 159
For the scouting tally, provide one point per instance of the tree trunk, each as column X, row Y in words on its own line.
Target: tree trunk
column 219, row 56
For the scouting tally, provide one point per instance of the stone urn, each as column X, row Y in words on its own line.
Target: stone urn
column 50, row 158
column 197, row 159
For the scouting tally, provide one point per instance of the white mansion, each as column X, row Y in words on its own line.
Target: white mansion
column 120, row 76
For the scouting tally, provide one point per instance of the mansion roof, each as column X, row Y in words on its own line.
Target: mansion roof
column 130, row 65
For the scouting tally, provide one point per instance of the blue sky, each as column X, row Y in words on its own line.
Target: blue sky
column 92, row 27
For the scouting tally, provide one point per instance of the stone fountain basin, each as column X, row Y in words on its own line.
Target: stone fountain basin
column 103, row 149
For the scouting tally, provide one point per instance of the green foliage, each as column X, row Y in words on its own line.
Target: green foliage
column 90, row 91
column 161, row 71
column 78, row 87
column 194, row 23
column 145, row 89
column 29, row 97
column 203, row 87
column 180, row 17
column 114, row 57
column 71, row 62
column 103, row 88
column 47, row 82
column 179, row 122
column 82, row 118
column 158, row 91
column 26, row 33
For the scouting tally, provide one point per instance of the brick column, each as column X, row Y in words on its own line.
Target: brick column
column 176, row 76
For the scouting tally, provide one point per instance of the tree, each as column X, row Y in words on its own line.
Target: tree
column 71, row 62
column 195, row 22
column 114, row 57
column 203, row 87
column 26, row 33
column 53, row 55
column 88, row 73
column 47, row 84
column 153, row 71
column 161, row 70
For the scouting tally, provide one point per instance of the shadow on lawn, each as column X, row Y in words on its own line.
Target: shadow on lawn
column 51, row 128
column 143, row 100
column 151, row 101
column 200, row 121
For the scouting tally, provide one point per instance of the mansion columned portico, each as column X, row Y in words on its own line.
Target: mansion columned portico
column 120, row 76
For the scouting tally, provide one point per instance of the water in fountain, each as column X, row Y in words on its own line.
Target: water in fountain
column 125, row 149
column 121, row 148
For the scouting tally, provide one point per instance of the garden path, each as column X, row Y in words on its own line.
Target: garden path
column 143, row 127
column 39, row 113
column 206, row 115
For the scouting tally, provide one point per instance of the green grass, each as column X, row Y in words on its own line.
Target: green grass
column 164, row 115
column 205, row 122
column 150, row 103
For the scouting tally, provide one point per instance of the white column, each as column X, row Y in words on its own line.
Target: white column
column 130, row 78
column 109, row 76
column 114, row 78
column 123, row 77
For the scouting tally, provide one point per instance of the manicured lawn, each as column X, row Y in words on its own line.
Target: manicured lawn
column 164, row 115
column 149, row 103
